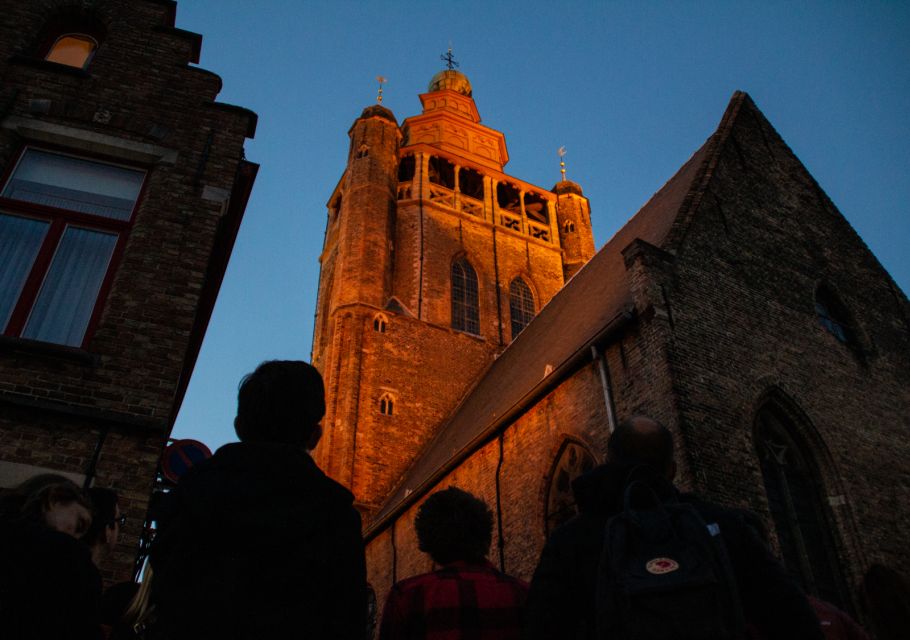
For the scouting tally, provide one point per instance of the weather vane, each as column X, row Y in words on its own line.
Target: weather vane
column 381, row 80
column 449, row 59
column 562, row 162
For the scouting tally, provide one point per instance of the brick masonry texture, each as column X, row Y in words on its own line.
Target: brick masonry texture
column 724, row 324
column 392, row 255
column 56, row 406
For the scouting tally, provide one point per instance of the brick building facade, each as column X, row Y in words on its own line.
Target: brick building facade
column 123, row 186
column 737, row 306
column 417, row 206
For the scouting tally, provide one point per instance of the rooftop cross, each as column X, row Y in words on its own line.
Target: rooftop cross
column 449, row 59
column 381, row 81
column 562, row 162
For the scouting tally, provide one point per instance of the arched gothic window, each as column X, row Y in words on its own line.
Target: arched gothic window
column 386, row 404
column 465, row 307
column 572, row 460
column 521, row 305
column 795, row 497
column 569, row 226
column 380, row 322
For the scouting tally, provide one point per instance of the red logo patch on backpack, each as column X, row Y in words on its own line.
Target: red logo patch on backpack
column 660, row 566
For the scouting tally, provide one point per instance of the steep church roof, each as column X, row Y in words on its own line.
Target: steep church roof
column 565, row 329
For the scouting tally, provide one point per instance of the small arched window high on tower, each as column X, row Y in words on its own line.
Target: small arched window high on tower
column 386, row 404
column 465, row 307
column 380, row 322
column 521, row 305
column 796, row 500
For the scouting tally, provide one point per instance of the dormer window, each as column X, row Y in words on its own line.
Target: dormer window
column 73, row 50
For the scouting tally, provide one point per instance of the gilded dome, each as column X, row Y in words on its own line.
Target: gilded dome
column 451, row 79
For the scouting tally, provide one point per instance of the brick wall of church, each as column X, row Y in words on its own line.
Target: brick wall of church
column 726, row 320
column 742, row 295
column 575, row 410
column 377, row 249
column 56, row 402
column 448, row 362
column 446, row 236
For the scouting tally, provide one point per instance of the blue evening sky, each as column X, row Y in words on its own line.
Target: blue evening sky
column 631, row 89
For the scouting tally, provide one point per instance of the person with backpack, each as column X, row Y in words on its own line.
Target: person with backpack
column 641, row 560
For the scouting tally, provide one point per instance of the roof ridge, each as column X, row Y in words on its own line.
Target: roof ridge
column 699, row 185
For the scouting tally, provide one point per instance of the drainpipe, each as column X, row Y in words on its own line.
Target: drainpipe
column 601, row 361
column 501, row 538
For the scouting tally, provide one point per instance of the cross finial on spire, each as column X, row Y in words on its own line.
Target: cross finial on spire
column 381, row 80
column 449, row 59
column 562, row 162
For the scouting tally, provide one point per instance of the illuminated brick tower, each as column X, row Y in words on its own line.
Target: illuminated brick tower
column 434, row 259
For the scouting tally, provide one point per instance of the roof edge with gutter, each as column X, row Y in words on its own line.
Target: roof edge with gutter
column 606, row 335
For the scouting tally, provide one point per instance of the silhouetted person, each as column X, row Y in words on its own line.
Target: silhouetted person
column 886, row 594
column 49, row 587
column 104, row 533
column 563, row 601
column 256, row 542
column 835, row 624
column 466, row 597
column 102, row 538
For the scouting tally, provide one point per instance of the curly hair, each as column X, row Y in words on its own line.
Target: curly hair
column 454, row 525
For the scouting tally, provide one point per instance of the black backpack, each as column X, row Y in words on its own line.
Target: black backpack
column 664, row 572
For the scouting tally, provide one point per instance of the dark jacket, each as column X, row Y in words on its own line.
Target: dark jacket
column 257, row 542
column 562, row 602
column 49, row 587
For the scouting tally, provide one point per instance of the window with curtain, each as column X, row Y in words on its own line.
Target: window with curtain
column 796, row 500
column 61, row 219
column 465, row 307
column 521, row 305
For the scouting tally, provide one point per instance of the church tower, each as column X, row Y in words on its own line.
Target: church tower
column 434, row 261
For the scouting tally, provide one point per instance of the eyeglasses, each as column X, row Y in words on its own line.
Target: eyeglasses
column 121, row 520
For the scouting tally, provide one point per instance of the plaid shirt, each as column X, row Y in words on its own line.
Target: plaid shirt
column 458, row 602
